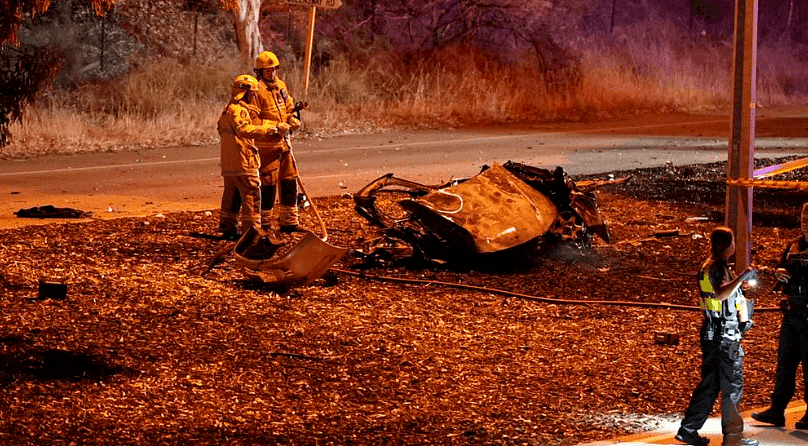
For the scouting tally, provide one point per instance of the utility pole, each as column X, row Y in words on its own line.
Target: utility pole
column 741, row 156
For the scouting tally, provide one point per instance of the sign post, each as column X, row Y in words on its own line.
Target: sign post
column 741, row 156
column 312, row 5
column 309, row 46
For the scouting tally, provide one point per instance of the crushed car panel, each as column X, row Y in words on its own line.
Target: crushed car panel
column 309, row 259
column 501, row 209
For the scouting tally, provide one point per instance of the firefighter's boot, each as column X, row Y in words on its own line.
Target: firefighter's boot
column 288, row 218
column 267, row 203
column 229, row 228
column 287, row 210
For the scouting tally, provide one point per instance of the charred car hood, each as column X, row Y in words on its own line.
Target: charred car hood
column 490, row 212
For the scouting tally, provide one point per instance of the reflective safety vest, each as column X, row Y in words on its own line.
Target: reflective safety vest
column 712, row 306
column 709, row 303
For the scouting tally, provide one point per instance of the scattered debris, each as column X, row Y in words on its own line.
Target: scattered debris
column 667, row 233
column 480, row 367
column 666, row 338
column 50, row 211
column 52, row 289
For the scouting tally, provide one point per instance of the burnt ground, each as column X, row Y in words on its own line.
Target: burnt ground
column 145, row 351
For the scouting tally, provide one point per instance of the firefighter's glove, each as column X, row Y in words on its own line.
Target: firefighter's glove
column 782, row 274
column 294, row 123
column 283, row 128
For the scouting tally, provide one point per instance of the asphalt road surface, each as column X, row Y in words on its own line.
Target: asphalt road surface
column 154, row 181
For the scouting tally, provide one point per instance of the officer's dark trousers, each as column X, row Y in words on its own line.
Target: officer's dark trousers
column 793, row 349
column 721, row 371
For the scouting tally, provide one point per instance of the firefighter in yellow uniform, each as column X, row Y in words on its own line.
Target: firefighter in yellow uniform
column 278, row 171
column 239, row 158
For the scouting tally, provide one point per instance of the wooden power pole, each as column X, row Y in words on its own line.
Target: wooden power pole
column 741, row 156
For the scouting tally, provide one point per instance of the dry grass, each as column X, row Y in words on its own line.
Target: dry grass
column 63, row 131
column 635, row 71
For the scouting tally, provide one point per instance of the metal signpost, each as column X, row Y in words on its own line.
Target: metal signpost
column 741, row 156
column 312, row 5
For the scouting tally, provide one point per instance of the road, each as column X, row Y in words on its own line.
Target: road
column 187, row 178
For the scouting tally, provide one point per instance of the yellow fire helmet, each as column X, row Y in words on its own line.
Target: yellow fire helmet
column 266, row 60
column 242, row 84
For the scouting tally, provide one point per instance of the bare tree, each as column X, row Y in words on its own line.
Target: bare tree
column 506, row 27
column 787, row 30
column 245, row 19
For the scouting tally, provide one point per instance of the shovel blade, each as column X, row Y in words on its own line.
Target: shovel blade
column 307, row 261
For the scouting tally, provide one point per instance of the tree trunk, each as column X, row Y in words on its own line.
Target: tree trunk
column 248, row 38
column 787, row 31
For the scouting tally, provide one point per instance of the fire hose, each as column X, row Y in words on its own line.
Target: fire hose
column 533, row 298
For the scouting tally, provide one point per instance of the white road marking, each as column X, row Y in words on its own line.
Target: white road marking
column 525, row 135
column 114, row 166
column 379, row 147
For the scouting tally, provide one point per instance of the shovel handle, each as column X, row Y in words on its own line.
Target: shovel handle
column 303, row 189
column 313, row 207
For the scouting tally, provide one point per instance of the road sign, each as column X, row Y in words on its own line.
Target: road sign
column 324, row 4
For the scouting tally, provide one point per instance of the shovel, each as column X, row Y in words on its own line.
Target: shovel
column 307, row 261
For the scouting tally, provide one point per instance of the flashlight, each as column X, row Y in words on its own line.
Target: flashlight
column 752, row 282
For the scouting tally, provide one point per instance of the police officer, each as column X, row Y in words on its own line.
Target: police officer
column 721, row 352
column 792, row 272
column 239, row 158
column 278, row 171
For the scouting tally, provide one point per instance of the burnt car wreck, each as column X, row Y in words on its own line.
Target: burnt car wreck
column 501, row 213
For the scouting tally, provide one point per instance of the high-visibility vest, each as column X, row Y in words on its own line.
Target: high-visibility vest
column 713, row 307
column 708, row 301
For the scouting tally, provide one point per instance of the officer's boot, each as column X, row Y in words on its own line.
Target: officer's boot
column 738, row 440
column 287, row 211
column 772, row 416
column 802, row 423
column 692, row 438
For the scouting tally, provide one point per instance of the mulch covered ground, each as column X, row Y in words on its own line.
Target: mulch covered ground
column 145, row 351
